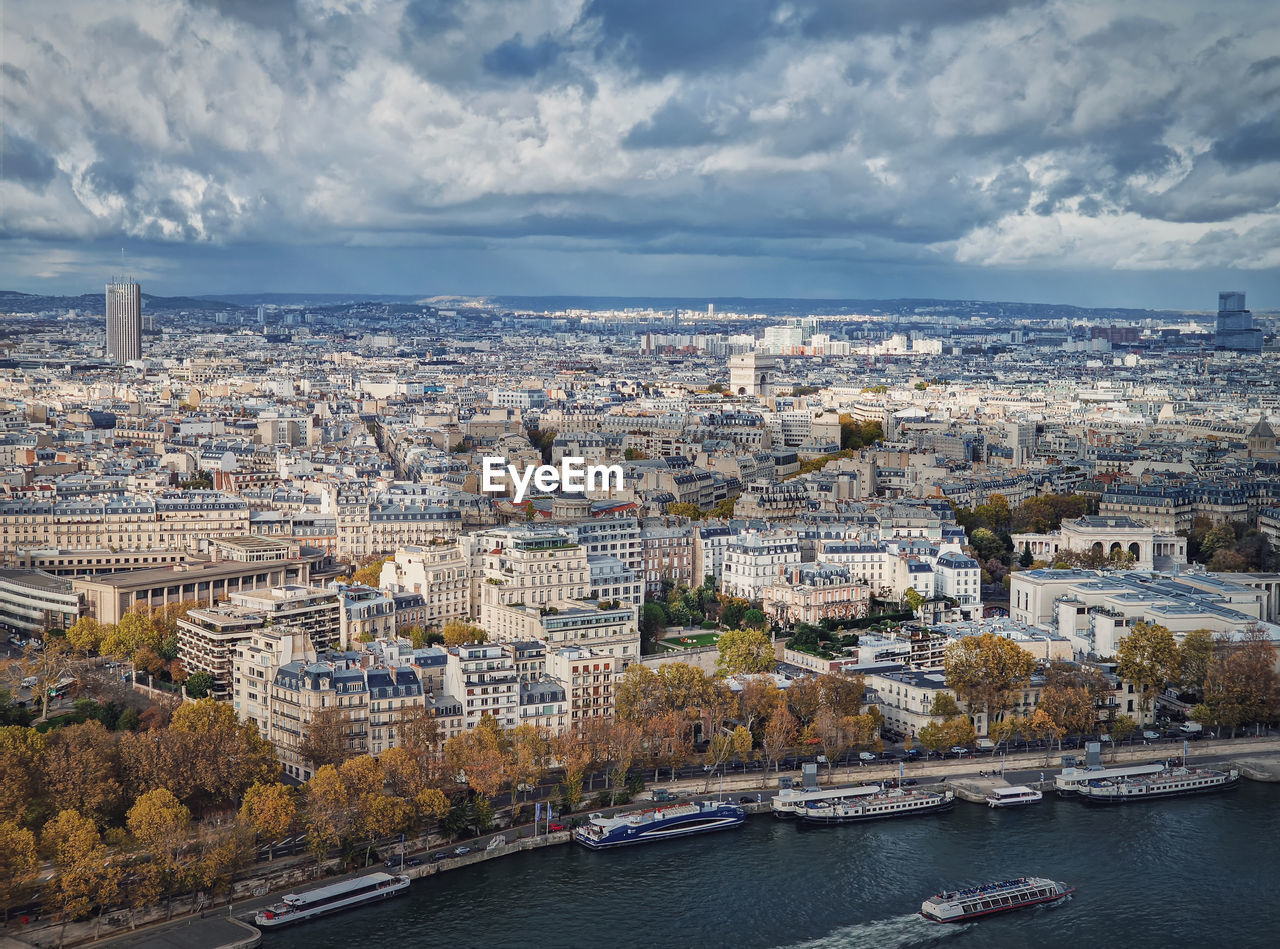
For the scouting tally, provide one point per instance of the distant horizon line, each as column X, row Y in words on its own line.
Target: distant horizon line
column 684, row 299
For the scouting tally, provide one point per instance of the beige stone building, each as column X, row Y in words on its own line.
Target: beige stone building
column 438, row 573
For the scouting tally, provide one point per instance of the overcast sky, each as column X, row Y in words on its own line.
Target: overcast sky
column 1086, row 152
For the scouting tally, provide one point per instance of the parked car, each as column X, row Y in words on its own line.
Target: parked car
column 959, row 751
column 413, row 862
column 1149, row 735
column 746, row 799
column 461, row 851
column 908, row 782
column 391, row 862
column 555, row 827
column 867, row 756
column 438, row 856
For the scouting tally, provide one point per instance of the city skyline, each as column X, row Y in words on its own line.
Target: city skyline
column 1048, row 152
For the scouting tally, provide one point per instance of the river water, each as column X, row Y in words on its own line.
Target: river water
column 1186, row 872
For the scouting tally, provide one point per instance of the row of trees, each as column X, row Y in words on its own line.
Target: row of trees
column 146, row 637
column 204, row 755
column 1230, row 546
column 113, row 811
column 672, row 705
column 1233, row 676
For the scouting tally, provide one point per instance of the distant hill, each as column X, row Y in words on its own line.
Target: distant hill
column 312, row 299
column 11, row 301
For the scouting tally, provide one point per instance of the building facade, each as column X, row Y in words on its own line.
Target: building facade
column 124, row 322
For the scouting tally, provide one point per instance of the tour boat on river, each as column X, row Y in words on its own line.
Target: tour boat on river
column 658, row 823
column 896, row 802
column 1173, row 782
column 958, row 906
column 1014, row 796
column 346, row 894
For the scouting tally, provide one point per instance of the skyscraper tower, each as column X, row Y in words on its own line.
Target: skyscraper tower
column 124, row 322
column 1235, row 329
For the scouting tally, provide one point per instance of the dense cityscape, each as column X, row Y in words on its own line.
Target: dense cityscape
column 756, row 473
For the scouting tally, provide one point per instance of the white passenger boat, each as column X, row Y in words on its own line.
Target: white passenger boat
column 1013, row 796
column 791, row 802
column 1070, row 780
column 958, row 906
column 1174, row 782
column 897, row 802
column 346, row 894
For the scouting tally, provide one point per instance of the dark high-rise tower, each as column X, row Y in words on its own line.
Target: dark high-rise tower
column 124, row 322
column 1235, row 330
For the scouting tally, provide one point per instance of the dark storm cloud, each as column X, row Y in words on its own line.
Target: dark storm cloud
column 280, row 15
column 820, row 18
column 1250, row 144
column 675, row 125
column 989, row 132
column 23, row 160
column 662, row 36
column 515, row 58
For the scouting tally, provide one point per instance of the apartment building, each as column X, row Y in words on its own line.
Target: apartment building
column 959, row 577
column 482, row 676
column 544, row 703
column 438, row 573
column 668, row 555
column 754, row 560
column 810, row 593
column 316, row 611
column 32, row 602
column 207, row 642
column 613, row 632
column 611, row 579
column 368, row 613
column 170, row 520
column 371, row 703
column 587, row 676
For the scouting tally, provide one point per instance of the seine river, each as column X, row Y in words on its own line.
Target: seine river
column 1186, row 872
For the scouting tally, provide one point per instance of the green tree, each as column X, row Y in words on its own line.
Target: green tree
column 198, row 684
column 80, row 770
column 1241, row 686
column 950, row 733
column 987, row 545
column 1120, row 728
column 1219, row 537
column 161, row 826
column 226, row 754
column 944, row 705
column 985, row 671
column 744, row 651
column 653, row 623
column 913, row 599
column 457, row 632
column 755, row 619
column 370, row 573
column 1147, row 657
column 1195, row 655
